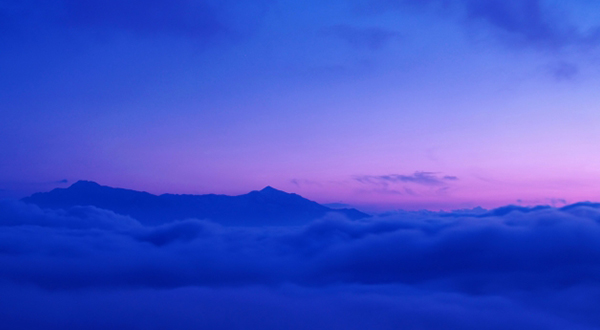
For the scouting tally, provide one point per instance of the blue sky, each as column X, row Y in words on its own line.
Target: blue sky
column 231, row 96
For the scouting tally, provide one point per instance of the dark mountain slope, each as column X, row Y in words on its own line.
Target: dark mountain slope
column 257, row 208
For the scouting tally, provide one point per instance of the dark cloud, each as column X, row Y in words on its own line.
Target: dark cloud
column 421, row 178
column 524, row 23
column 372, row 38
column 202, row 20
column 515, row 267
column 340, row 307
column 303, row 182
column 195, row 19
column 563, row 70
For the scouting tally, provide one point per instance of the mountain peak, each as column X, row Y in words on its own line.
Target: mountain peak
column 268, row 206
column 84, row 184
column 271, row 190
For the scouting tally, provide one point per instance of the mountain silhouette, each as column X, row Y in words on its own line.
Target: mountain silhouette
column 268, row 206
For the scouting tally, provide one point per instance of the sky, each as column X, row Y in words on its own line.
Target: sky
column 379, row 104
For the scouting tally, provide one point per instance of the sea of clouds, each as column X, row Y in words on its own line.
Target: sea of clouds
column 512, row 268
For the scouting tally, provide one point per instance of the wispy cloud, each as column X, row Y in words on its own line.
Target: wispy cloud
column 420, row 178
column 371, row 38
column 562, row 70
column 524, row 23
column 554, row 202
column 304, row 182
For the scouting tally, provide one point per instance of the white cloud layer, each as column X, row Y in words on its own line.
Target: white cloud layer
column 509, row 268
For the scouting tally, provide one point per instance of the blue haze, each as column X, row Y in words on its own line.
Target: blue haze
column 82, row 267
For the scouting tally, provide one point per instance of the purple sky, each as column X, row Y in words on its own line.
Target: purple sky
column 378, row 104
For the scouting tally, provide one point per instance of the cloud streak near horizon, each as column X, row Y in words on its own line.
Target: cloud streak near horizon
column 419, row 177
column 513, row 260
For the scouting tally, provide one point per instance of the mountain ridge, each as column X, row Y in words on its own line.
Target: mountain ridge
column 268, row 206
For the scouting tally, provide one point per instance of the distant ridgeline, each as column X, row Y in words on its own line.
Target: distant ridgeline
column 257, row 208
